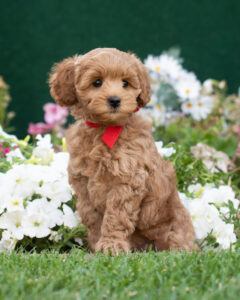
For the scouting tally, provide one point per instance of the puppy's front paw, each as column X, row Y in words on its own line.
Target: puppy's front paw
column 112, row 245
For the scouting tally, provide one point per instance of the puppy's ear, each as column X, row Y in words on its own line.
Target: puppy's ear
column 144, row 79
column 61, row 81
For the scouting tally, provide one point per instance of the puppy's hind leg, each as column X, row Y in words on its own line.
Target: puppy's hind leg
column 180, row 234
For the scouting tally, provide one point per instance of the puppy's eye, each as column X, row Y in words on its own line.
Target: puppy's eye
column 97, row 83
column 125, row 83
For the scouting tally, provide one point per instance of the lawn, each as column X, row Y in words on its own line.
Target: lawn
column 79, row 275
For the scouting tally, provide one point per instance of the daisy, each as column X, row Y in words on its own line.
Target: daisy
column 202, row 108
column 188, row 89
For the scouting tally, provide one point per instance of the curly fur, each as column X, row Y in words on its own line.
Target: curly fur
column 127, row 196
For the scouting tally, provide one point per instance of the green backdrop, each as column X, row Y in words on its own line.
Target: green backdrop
column 35, row 34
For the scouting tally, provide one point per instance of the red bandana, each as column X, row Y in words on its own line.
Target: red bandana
column 111, row 134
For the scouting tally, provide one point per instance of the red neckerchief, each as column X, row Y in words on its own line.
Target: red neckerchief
column 111, row 134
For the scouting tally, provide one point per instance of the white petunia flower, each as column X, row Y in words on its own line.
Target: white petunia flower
column 13, row 221
column 166, row 152
column 17, row 181
column 219, row 196
column 8, row 242
column 36, row 225
column 224, row 234
column 44, row 150
column 60, row 162
column 197, row 211
column 58, row 192
column 44, row 207
column 14, row 203
column 70, row 219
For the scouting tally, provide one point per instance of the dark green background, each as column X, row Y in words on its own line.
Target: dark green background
column 35, row 34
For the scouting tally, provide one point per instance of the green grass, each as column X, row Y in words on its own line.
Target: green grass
column 78, row 275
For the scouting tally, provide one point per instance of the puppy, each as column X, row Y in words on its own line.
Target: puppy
column 127, row 195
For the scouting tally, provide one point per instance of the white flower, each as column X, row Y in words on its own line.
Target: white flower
column 219, row 196
column 36, row 225
column 13, row 221
column 60, row 162
column 17, row 181
column 14, row 203
column 195, row 189
column 70, row 219
column 16, row 153
column 188, row 89
column 8, row 242
column 44, row 150
column 224, row 211
column 44, row 207
column 208, row 86
column 202, row 108
column 55, row 236
column 166, row 152
column 58, row 192
column 79, row 241
column 184, row 199
column 163, row 64
column 224, row 234
column 188, row 107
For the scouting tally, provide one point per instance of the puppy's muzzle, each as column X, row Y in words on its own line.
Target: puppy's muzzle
column 114, row 101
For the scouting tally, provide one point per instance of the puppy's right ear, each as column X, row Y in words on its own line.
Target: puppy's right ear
column 61, row 82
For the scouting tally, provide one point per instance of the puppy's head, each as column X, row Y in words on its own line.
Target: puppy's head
column 105, row 85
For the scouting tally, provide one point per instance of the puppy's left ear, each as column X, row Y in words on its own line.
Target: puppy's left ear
column 144, row 79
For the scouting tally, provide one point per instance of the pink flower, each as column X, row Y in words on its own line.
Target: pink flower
column 6, row 150
column 39, row 128
column 55, row 114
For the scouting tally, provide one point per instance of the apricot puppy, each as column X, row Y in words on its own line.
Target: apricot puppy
column 127, row 195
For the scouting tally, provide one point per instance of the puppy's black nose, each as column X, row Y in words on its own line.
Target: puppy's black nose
column 114, row 101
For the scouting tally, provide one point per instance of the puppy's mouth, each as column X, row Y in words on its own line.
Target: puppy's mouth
column 114, row 110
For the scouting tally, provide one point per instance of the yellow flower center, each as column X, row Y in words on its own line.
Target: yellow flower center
column 157, row 68
column 15, row 203
column 159, row 107
column 36, row 224
column 18, row 224
column 200, row 104
column 187, row 91
column 18, row 180
column 189, row 104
